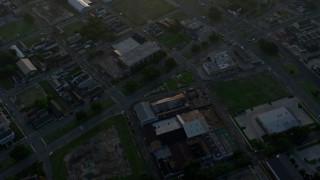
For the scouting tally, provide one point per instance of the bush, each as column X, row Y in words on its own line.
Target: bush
column 96, row 107
column 19, row 152
column 81, row 116
column 214, row 14
column 130, row 86
column 268, row 47
column 170, row 64
column 195, row 48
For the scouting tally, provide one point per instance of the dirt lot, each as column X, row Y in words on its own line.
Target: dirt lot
column 27, row 97
column 109, row 65
column 100, row 158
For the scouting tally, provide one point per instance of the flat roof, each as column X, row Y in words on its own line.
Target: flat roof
column 125, row 46
column 277, row 120
column 283, row 169
column 145, row 113
column 219, row 62
column 141, row 52
column 166, row 125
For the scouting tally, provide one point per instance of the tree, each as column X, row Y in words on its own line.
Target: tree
column 19, row 152
column 269, row 150
column 214, row 37
column 298, row 134
column 170, row 64
column 95, row 30
column 195, row 48
column 150, row 73
column 130, row 86
column 81, row 116
column 193, row 171
column 96, row 107
column 28, row 18
column 222, row 167
column 214, row 14
column 268, row 47
column 242, row 160
column 41, row 102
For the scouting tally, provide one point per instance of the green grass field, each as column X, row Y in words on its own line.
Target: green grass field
column 32, row 40
column 172, row 39
column 244, row 93
column 46, row 86
column 71, row 124
column 12, row 29
column 179, row 16
column 140, row 11
column 71, row 28
column 291, row 69
column 311, row 89
column 136, row 163
column 6, row 84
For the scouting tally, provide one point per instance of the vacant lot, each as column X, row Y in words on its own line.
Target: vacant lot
column 137, row 166
column 15, row 29
column 98, row 158
column 140, row 11
column 251, row 91
column 27, row 97
column 173, row 39
column 72, row 28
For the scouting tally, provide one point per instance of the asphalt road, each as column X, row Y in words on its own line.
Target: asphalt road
column 124, row 103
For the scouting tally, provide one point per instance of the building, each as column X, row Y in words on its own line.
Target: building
column 282, row 168
column 79, row 5
column 18, row 51
column 216, row 146
column 26, row 67
column 145, row 113
column 39, row 118
column 132, row 54
column 125, row 46
column 56, row 109
column 219, row 63
column 193, row 123
column 6, row 133
column 171, row 106
column 277, row 120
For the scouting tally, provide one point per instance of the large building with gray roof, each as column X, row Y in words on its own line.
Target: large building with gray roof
column 131, row 54
column 145, row 113
column 277, row 120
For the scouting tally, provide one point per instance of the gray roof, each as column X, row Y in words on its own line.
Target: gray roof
column 139, row 53
column 283, row 169
column 145, row 113
column 277, row 120
column 26, row 66
column 125, row 46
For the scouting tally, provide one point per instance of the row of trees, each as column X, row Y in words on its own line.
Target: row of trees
column 8, row 60
column 281, row 142
column 149, row 74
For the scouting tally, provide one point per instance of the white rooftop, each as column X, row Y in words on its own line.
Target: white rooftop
column 277, row 120
column 26, row 66
column 125, row 46
column 167, row 125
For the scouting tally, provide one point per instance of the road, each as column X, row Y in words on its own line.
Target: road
column 34, row 138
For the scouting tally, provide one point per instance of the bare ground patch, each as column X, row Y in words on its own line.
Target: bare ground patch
column 27, row 97
column 102, row 157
